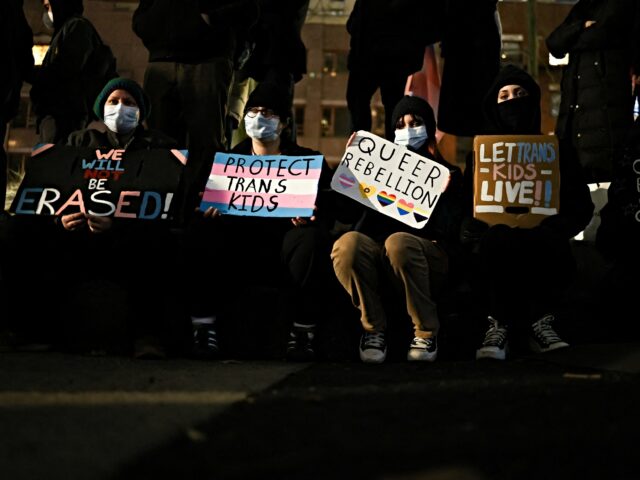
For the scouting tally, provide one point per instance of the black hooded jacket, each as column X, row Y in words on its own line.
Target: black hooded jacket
column 576, row 207
column 58, row 85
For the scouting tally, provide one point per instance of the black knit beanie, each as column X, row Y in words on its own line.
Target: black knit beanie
column 270, row 95
column 130, row 86
column 416, row 106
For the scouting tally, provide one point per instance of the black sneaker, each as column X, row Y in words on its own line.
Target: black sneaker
column 205, row 342
column 495, row 344
column 543, row 338
column 373, row 347
column 423, row 349
column 300, row 345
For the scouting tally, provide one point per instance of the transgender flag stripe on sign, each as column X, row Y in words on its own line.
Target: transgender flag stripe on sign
column 263, row 185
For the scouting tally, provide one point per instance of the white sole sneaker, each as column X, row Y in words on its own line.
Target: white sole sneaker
column 420, row 355
column 373, row 355
column 491, row 353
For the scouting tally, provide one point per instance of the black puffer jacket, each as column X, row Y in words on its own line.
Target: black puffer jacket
column 597, row 104
column 175, row 30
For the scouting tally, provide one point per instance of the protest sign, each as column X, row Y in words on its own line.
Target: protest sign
column 516, row 179
column 390, row 179
column 263, row 185
column 106, row 183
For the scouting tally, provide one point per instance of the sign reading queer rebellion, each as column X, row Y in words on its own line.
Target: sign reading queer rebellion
column 106, row 183
column 390, row 179
column 516, row 179
column 263, row 185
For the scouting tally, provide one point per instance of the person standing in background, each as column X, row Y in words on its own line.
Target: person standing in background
column 58, row 93
column 15, row 50
column 471, row 45
column 191, row 47
column 388, row 40
column 602, row 38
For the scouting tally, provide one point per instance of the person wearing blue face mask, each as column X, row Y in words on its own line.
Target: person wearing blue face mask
column 290, row 254
column 418, row 263
column 123, row 106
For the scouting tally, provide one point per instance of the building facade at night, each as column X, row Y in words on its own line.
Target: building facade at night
column 320, row 105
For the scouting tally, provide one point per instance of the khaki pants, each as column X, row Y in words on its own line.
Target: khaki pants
column 415, row 266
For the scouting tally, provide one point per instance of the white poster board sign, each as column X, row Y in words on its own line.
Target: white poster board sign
column 390, row 179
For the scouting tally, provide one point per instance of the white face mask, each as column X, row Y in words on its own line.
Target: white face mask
column 413, row 137
column 121, row 118
column 262, row 128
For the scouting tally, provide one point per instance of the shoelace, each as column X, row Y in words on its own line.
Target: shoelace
column 421, row 343
column 374, row 340
column 496, row 334
column 206, row 335
column 543, row 330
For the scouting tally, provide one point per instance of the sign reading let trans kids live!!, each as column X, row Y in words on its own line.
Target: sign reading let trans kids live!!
column 110, row 183
column 390, row 179
column 516, row 179
column 263, row 185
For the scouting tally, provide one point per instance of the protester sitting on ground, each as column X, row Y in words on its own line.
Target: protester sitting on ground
column 417, row 262
column 522, row 273
column 140, row 252
column 226, row 251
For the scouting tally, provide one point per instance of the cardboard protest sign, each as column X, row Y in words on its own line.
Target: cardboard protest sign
column 390, row 179
column 516, row 179
column 263, row 185
column 109, row 183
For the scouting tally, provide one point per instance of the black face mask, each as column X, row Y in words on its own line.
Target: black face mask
column 518, row 116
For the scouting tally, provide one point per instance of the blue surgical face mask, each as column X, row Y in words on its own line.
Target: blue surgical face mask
column 262, row 128
column 121, row 118
column 47, row 19
column 413, row 137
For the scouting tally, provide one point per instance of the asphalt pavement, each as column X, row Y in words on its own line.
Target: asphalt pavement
column 567, row 414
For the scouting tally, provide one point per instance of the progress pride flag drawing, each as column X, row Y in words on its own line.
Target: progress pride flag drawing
column 263, row 185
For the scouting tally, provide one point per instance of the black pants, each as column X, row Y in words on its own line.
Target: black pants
column 361, row 86
column 226, row 256
column 523, row 272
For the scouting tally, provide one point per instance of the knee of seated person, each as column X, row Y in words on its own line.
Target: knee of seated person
column 345, row 249
column 397, row 249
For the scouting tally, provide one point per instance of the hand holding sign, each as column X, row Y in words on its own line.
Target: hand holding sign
column 390, row 179
column 516, row 179
column 263, row 185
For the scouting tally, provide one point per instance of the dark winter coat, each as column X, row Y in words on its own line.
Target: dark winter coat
column 391, row 34
column 175, row 31
column 58, row 85
column 597, row 106
column 15, row 54
column 142, row 139
column 277, row 41
column 471, row 50
column 576, row 207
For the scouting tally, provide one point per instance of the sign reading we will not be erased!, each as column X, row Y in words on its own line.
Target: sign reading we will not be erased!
column 390, row 179
column 263, row 185
column 137, row 184
column 516, row 179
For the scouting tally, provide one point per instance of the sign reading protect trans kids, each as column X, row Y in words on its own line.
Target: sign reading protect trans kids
column 390, row 179
column 263, row 185
column 516, row 179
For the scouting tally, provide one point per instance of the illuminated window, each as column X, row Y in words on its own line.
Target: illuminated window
column 334, row 63
column 335, row 122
